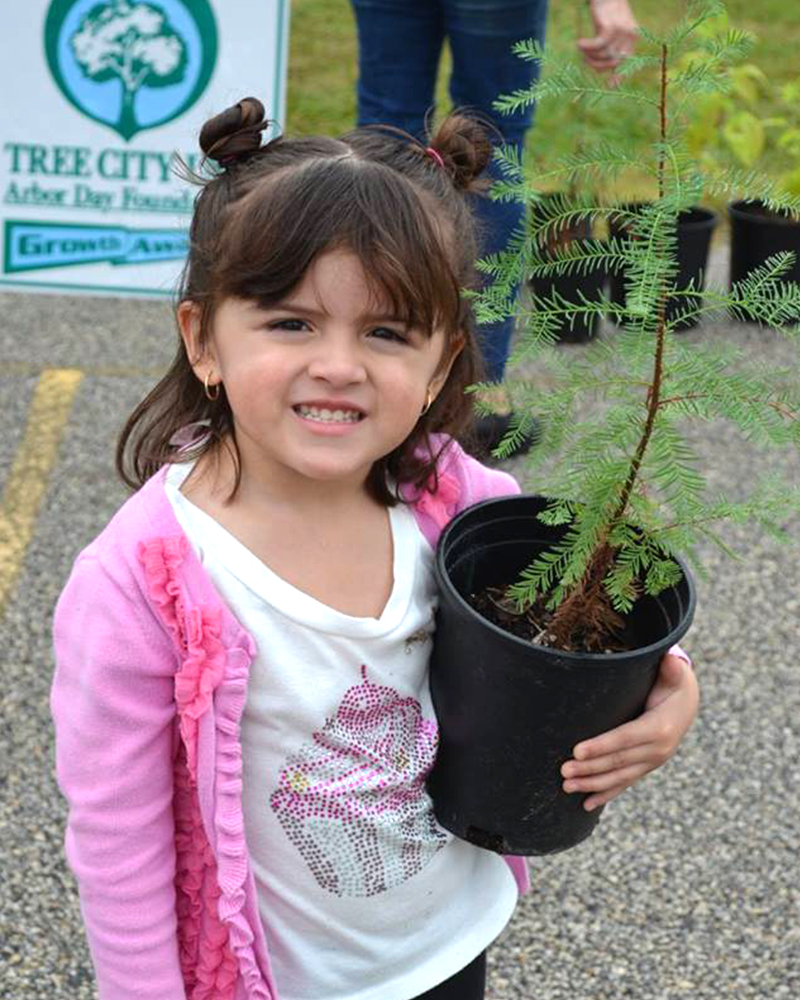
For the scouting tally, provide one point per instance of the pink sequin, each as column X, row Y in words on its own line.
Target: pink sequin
column 353, row 800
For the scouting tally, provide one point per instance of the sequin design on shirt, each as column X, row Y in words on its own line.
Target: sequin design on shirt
column 353, row 800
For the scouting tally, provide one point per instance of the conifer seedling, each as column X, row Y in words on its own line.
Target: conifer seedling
column 626, row 484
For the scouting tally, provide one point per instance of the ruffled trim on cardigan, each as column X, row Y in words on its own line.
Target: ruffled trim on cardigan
column 232, row 859
column 215, row 937
column 199, row 675
column 160, row 558
column 208, row 965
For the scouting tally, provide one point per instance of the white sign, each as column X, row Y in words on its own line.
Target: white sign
column 99, row 98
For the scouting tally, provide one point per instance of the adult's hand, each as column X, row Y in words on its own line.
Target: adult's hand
column 616, row 31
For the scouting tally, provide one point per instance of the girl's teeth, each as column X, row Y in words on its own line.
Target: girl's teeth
column 331, row 416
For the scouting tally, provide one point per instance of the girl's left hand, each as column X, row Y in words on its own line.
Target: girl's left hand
column 607, row 764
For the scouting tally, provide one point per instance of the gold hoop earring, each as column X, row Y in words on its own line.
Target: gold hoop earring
column 211, row 396
column 428, row 402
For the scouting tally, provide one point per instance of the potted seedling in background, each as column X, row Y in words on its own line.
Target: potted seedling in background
column 694, row 228
column 556, row 609
column 575, row 286
column 695, row 224
column 755, row 125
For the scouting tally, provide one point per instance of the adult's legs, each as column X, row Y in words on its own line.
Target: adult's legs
column 481, row 34
column 399, row 46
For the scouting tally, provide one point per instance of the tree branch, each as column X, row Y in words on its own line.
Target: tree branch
column 779, row 407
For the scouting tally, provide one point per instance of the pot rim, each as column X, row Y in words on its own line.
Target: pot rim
column 670, row 639
column 740, row 210
column 703, row 217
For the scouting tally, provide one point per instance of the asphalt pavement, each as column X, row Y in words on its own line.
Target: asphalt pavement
column 690, row 886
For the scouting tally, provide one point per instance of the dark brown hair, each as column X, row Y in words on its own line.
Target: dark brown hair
column 261, row 221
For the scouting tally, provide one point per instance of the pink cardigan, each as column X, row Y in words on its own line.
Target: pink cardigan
column 150, row 683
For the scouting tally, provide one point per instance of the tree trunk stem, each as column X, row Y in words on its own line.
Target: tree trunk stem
column 587, row 609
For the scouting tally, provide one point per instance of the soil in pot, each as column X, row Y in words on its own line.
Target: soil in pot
column 695, row 227
column 533, row 624
column 510, row 711
column 756, row 234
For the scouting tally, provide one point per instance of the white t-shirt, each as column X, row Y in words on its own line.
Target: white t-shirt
column 362, row 895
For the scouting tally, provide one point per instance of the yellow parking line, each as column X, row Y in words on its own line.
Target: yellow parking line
column 27, row 481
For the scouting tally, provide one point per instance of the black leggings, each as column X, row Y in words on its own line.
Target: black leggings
column 469, row 984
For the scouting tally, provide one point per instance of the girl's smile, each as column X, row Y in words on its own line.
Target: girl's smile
column 332, row 416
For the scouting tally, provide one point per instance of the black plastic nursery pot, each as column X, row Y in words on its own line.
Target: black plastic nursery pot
column 695, row 227
column 572, row 287
column 756, row 234
column 509, row 711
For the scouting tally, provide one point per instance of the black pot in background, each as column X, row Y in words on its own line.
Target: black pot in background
column 568, row 286
column 695, row 227
column 591, row 286
column 510, row 712
column 756, row 234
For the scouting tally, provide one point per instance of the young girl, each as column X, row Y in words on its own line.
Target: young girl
column 241, row 696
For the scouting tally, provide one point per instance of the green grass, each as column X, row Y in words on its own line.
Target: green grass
column 322, row 68
column 323, row 65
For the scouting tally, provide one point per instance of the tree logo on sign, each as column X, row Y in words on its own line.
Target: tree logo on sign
column 131, row 66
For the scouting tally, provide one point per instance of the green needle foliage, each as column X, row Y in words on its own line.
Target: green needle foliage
column 628, row 485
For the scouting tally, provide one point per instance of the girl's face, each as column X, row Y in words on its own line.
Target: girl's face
column 322, row 384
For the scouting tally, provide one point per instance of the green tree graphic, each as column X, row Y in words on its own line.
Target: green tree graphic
column 131, row 41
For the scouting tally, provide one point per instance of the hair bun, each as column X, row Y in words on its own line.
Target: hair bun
column 464, row 145
column 234, row 133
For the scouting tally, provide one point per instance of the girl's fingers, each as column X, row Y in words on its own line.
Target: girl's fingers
column 610, row 779
column 594, row 801
column 639, row 754
column 628, row 735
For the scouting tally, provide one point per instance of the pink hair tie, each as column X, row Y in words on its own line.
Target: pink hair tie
column 435, row 155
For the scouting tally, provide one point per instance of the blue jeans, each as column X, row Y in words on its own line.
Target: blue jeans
column 400, row 44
